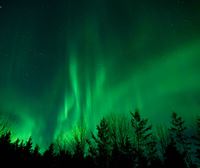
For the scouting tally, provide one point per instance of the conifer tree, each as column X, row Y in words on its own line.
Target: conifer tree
column 177, row 132
column 5, row 146
column 103, row 141
column 49, row 156
column 28, row 147
column 178, row 135
column 172, row 157
column 197, row 141
column 142, row 131
column 80, row 142
column 144, row 138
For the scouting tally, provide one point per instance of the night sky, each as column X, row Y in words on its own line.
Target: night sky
column 67, row 63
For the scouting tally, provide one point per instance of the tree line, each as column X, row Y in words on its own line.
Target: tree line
column 116, row 143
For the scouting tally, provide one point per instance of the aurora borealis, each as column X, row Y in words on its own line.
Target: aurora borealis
column 67, row 63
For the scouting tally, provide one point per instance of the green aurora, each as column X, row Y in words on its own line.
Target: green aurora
column 68, row 63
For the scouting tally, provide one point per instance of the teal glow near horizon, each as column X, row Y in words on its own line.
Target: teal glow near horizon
column 65, row 64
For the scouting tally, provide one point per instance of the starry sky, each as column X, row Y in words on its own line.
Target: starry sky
column 68, row 63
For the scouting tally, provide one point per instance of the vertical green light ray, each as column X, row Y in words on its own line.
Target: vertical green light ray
column 75, row 85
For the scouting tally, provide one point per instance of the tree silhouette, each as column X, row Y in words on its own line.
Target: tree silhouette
column 177, row 132
column 49, row 156
column 3, row 126
column 172, row 157
column 92, row 150
column 5, row 139
column 28, row 149
column 128, row 153
column 152, row 153
column 178, row 135
column 103, row 141
column 142, row 130
column 6, row 148
column 64, row 158
column 144, row 138
column 91, row 158
column 197, row 141
column 163, row 139
column 36, row 154
column 113, row 146
column 79, row 145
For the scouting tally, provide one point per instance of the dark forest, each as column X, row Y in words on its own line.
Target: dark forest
column 112, row 146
